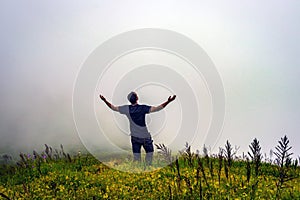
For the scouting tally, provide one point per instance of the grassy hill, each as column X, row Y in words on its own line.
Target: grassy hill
column 57, row 175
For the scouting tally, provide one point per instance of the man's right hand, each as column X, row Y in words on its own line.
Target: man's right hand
column 171, row 98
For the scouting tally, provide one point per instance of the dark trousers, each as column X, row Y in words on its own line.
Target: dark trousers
column 147, row 144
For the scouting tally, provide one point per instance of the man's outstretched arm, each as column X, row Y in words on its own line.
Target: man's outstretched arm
column 163, row 105
column 114, row 108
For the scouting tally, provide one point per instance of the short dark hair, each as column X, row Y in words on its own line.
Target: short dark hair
column 132, row 97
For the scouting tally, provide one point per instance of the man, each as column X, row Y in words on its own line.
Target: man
column 136, row 115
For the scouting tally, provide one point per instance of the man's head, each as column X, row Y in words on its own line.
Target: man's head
column 132, row 97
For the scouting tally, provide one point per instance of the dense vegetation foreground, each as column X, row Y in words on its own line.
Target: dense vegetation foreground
column 57, row 175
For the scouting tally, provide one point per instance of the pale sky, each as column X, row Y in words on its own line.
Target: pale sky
column 254, row 45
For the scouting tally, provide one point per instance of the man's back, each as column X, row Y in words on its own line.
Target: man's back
column 136, row 115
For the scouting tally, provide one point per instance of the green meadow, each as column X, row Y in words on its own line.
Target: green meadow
column 55, row 174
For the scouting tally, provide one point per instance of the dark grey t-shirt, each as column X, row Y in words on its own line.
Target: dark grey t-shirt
column 136, row 115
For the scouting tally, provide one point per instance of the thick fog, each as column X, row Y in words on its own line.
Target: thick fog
column 254, row 46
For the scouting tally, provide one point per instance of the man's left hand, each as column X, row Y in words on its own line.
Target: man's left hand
column 102, row 97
